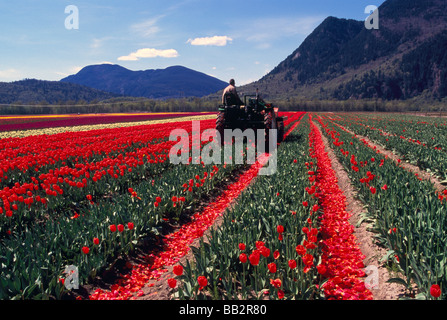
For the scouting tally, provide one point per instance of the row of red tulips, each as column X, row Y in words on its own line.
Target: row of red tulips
column 70, row 162
column 341, row 256
column 403, row 209
column 20, row 123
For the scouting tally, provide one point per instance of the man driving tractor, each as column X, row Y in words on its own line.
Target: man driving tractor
column 230, row 96
column 251, row 113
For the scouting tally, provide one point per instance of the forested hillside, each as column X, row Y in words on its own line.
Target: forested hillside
column 33, row 91
column 342, row 59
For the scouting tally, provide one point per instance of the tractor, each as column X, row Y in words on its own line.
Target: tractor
column 254, row 114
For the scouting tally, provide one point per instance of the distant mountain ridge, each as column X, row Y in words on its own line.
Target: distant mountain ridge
column 342, row 59
column 172, row 82
column 32, row 91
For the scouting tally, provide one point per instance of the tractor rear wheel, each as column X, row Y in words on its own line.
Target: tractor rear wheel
column 220, row 125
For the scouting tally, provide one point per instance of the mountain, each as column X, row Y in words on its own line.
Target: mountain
column 172, row 82
column 48, row 92
column 342, row 59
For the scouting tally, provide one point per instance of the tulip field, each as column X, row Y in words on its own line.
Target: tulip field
column 100, row 194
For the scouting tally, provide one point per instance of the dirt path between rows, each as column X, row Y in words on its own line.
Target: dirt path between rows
column 412, row 168
column 373, row 253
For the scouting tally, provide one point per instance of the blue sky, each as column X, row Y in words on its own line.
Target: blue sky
column 242, row 39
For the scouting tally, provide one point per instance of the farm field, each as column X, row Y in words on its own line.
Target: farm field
column 92, row 208
column 19, row 125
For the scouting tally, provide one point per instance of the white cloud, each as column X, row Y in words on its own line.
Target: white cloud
column 146, row 28
column 9, row 74
column 149, row 53
column 219, row 41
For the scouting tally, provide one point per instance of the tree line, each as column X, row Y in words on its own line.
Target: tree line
column 208, row 104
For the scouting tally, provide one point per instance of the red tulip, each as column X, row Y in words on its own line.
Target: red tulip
column 280, row 294
column 130, row 225
column 280, row 229
column 202, row 281
column 276, row 254
column 272, row 267
column 254, row 258
column 120, row 228
column 292, row 264
column 96, row 241
column 112, row 228
column 300, row 249
column 243, row 257
column 178, row 270
column 276, row 283
column 435, row 291
column 265, row 251
column 308, row 259
column 86, row 250
column 242, row 246
column 321, row 269
column 172, row 283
